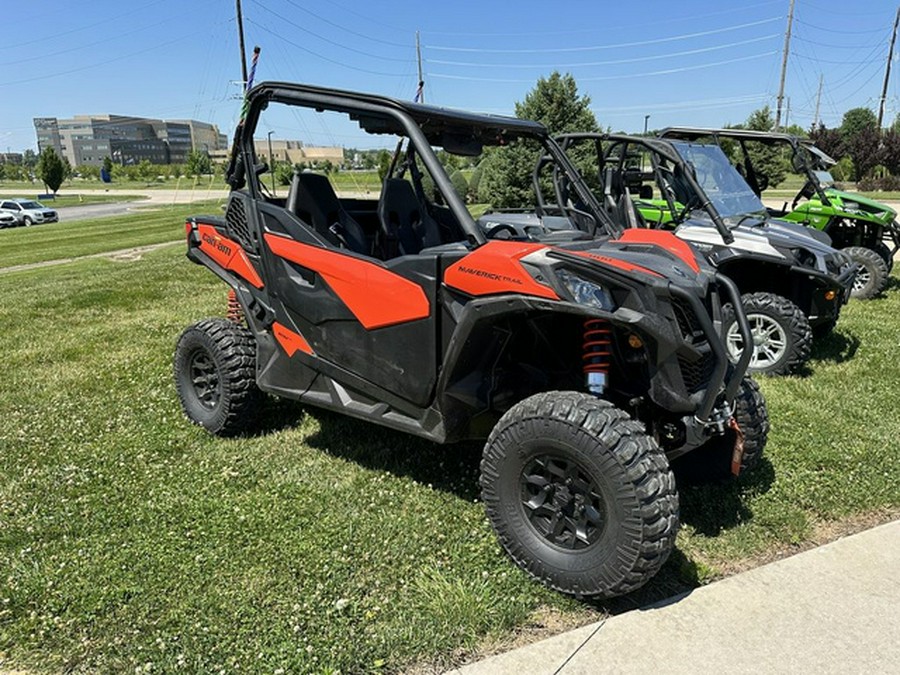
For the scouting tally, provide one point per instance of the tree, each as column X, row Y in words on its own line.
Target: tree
column 197, row 163
column 828, row 141
column 768, row 160
column 460, row 184
column 384, row 164
column 51, row 170
column 864, row 149
column 890, row 150
column 555, row 102
column 29, row 159
column 474, row 182
column 857, row 120
column 861, row 140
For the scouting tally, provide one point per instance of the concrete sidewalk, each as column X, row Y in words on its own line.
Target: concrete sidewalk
column 833, row 609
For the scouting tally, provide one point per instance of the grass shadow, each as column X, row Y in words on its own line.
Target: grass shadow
column 452, row 468
column 892, row 285
column 715, row 507
column 837, row 347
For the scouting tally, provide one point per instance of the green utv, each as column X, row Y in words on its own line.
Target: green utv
column 864, row 229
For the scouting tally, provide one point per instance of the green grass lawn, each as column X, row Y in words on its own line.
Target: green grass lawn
column 55, row 241
column 130, row 540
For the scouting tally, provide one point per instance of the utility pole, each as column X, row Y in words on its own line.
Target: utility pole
column 784, row 60
column 787, row 113
column 818, row 100
column 240, row 23
column 421, row 91
column 887, row 70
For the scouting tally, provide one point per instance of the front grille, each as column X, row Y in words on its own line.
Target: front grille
column 696, row 374
column 687, row 320
column 236, row 222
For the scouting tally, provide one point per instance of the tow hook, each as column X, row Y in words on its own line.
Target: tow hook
column 719, row 420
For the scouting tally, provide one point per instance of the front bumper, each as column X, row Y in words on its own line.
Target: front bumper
column 828, row 294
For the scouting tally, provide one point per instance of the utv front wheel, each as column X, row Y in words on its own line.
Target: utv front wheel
column 215, row 364
column 711, row 462
column 782, row 337
column 872, row 277
column 882, row 249
column 578, row 494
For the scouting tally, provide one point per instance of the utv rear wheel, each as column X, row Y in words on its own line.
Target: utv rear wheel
column 215, row 374
column 872, row 278
column 578, row 494
column 711, row 462
column 782, row 337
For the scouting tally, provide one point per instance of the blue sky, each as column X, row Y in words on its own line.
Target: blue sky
column 698, row 62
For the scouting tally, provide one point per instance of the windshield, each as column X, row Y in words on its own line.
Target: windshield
column 725, row 188
column 31, row 205
column 824, row 178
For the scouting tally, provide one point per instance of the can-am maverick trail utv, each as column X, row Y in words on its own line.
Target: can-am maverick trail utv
column 864, row 229
column 791, row 282
column 586, row 364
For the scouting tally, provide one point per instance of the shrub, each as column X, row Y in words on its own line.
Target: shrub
column 460, row 184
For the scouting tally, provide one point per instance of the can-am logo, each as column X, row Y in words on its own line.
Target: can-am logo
column 493, row 276
column 216, row 243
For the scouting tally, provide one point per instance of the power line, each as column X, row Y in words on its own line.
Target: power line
column 829, row 45
column 703, row 50
column 106, row 61
column 44, row 38
column 570, row 31
column 841, row 31
column 320, row 56
column 324, row 39
column 640, row 43
column 669, row 71
column 345, row 29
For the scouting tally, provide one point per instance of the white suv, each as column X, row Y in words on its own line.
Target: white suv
column 28, row 211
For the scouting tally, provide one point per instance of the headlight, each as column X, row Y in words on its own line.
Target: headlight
column 586, row 292
column 850, row 206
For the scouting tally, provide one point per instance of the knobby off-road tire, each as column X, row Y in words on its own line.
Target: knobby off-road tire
column 711, row 462
column 882, row 249
column 215, row 374
column 781, row 333
column 579, row 495
column 872, row 279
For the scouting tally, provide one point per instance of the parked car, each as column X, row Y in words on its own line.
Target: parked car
column 28, row 211
column 8, row 220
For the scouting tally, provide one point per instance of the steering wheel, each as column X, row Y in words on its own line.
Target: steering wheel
column 493, row 231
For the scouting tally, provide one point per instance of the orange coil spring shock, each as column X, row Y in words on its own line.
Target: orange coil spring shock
column 235, row 311
column 596, row 354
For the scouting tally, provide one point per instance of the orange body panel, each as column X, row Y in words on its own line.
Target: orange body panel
column 290, row 341
column 376, row 296
column 665, row 240
column 227, row 253
column 496, row 268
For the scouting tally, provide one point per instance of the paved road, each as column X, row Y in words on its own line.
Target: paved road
column 70, row 213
